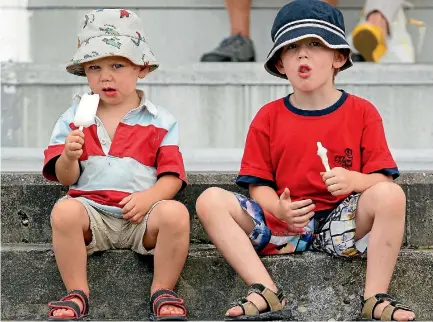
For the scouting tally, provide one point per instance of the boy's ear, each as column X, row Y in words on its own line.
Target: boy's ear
column 279, row 66
column 144, row 70
column 339, row 59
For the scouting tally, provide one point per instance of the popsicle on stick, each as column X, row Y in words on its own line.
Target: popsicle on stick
column 86, row 111
column 322, row 153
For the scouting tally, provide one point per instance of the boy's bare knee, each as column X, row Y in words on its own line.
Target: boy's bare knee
column 210, row 198
column 387, row 195
column 172, row 215
column 388, row 192
column 68, row 213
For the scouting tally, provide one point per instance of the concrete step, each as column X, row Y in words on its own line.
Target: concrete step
column 27, row 200
column 205, row 160
column 216, row 101
column 37, row 41
column 318, row 287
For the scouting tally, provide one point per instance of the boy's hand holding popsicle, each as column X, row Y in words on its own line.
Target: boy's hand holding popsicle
column 339, row 181
column 84, row 117
column 74, row 145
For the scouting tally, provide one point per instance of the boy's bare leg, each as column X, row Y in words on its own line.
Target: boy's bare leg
column 382, row 12
column 168, row 232
column 227, row 226
column 239, row 14
column 71, row 231
column 381, row 210
column 376, row 18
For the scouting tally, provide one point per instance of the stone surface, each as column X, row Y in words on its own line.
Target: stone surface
column 420, row 222
column 216, row 101
column 318, row 287
column 206, row 160
column 29, row 196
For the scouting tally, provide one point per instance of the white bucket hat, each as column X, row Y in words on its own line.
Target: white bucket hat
column 111, row 32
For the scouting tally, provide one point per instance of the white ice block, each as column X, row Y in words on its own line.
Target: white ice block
column 86, row 111
column 322, row 153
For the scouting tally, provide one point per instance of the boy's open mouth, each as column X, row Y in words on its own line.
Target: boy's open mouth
column 304, row 71
column 109, row 91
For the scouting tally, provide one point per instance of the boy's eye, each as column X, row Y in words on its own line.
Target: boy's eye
column 292, row 46
column 315, row 43
column 93, row 67
column 117, row 66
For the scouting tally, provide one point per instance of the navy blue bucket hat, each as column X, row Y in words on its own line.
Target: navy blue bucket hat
column 302, row 19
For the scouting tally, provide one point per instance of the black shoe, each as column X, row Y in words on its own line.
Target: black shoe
column 235, row 48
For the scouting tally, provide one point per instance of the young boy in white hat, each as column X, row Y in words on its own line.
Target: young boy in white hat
column 297, row 201
column 123, row 171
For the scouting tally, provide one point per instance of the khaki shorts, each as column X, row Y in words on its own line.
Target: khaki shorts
column 109, row 232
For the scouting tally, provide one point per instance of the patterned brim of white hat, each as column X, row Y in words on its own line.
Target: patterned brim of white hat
column 111, row 32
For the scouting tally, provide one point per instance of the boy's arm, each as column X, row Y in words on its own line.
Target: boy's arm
column 171, row 175
column 376, row 158
column 364, row 181
column 165, row 188
column 340, row 181
column 377, row 164
column 296, row 214
column 57, row 166
column 266, row 197
column 67, row 171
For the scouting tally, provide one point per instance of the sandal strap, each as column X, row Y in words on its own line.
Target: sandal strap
column 83, row 298
column 389, row 310
column 369, row 305
column 158, row 304
column 248, row 307
column 68, row 305
column 273, row 300
column 162, row 291
column 163, row 297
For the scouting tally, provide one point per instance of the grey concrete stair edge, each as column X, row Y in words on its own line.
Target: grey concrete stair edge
column 27, row 200
column 317, row 286
column 204, row 160
column 218, row 101
column 221, row 74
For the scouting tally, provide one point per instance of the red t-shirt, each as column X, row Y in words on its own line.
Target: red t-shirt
column 281, row 147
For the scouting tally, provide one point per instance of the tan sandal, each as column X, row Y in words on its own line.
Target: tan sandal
column 273, row 311
column 370, row 304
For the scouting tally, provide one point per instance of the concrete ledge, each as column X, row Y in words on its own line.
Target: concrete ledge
column 205, row 160
column 216, row 100
column 27, row 200
column 318, row 287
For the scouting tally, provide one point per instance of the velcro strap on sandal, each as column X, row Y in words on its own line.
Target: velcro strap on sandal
column 83, row 298
column 369, row 305
column 388, row 312
column 158, row 304
column 248, row 307
column 166, row 297
column 274, row 300
column 67, row 305
column 162, row 291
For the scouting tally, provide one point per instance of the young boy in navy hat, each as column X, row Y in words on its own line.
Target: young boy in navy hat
column 298, row 202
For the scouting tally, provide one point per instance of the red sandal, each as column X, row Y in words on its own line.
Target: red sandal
column 66, row 303
column 164, row 297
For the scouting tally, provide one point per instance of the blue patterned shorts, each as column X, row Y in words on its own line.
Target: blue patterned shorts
column 335, row 234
